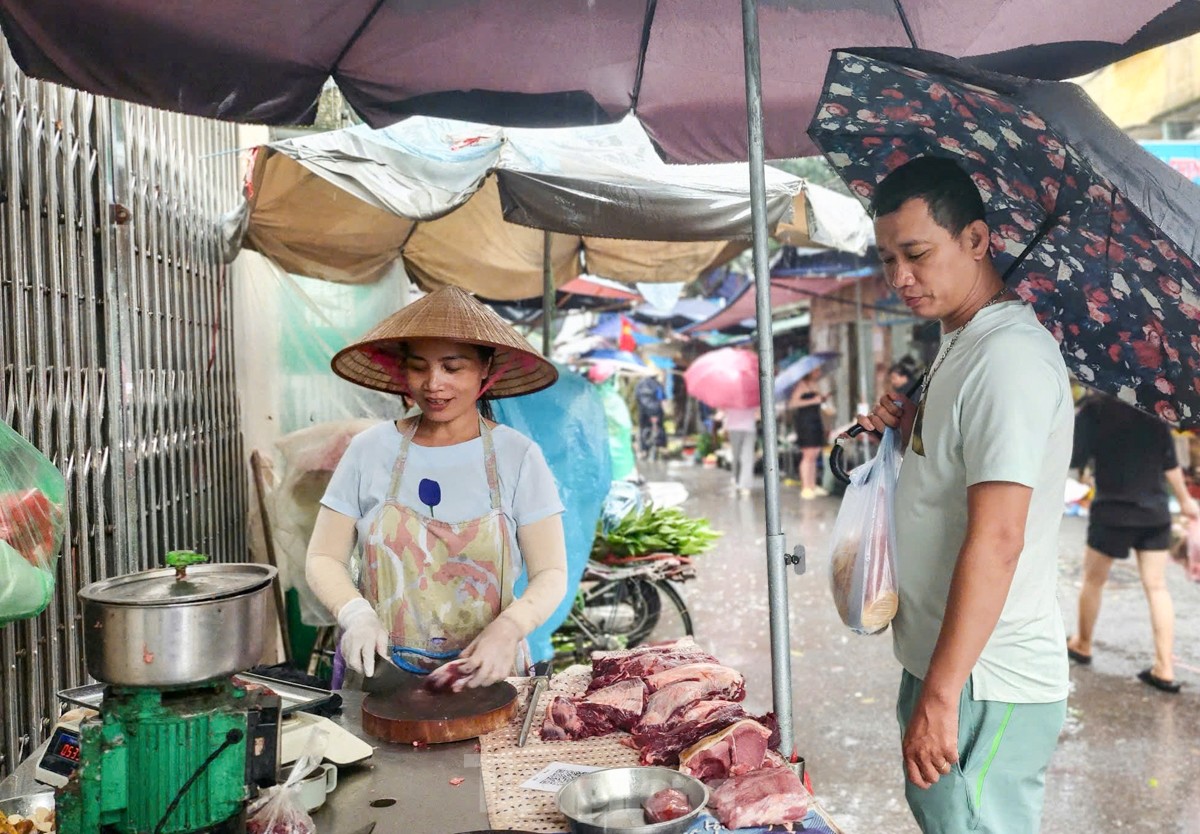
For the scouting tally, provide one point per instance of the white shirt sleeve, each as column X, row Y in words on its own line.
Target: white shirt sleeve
column 344, row 490
column 1007, row 411
column 536, row 495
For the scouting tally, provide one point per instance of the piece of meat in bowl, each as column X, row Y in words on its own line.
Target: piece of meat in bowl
column 449, row 677
column 668, row 804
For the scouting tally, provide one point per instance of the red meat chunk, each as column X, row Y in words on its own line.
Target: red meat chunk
column 739, row 748
column 661, row 745
column 771, row 796
column 667, row 804
column 449, row 677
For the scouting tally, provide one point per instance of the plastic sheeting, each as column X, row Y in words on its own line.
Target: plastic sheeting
column 567, row 421
column 466, row 204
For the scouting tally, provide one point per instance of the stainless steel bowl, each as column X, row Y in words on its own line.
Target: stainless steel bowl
column 610, row 801
column 27, row 804
column 151, row 629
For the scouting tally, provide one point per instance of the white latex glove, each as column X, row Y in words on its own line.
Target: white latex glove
column 363, row 636
column 491, row 655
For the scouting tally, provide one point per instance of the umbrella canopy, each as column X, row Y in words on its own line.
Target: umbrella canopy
column 618, row 361
column 1098, row 235
column 786, row 380
column 459, row 202
column 785, row 290
column 678, row 65
column 724, row 378
column 591, row 285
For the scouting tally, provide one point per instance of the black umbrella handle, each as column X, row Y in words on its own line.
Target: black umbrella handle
column 836, row 466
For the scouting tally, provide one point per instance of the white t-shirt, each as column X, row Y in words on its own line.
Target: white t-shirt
column 741, row 419
column 361, row 481
column 999, row 409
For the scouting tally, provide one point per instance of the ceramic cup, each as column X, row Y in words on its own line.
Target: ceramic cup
column 313, row 788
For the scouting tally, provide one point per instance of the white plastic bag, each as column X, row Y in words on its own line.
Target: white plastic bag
column 862, row 562
column 280, row 810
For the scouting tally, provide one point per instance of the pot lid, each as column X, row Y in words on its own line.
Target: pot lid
column 200, row 583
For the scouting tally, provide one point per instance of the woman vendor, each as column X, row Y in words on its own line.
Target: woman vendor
column 447, row 506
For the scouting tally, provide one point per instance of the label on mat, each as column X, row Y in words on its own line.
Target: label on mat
column 556, row 774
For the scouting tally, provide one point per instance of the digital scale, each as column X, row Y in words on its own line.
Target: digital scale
column 62, row 756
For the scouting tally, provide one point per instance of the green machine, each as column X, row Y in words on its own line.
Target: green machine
column 177, row 747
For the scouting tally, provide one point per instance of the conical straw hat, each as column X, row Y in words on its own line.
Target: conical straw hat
column 448, row 313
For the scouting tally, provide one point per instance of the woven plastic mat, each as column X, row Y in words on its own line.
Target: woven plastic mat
column 506, row 767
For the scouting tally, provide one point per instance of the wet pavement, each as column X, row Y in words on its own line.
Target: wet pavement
column 1128, row 758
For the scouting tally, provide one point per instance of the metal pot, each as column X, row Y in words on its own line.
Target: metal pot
column 171, row 627
column 610, row 801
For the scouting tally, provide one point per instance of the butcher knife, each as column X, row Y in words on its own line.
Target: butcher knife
column 539, row 686
column 387, row 679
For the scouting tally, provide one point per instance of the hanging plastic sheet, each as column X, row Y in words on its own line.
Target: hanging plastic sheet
column 564, row 420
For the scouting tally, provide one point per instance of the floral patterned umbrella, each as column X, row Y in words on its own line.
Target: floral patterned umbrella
column 1095, row 233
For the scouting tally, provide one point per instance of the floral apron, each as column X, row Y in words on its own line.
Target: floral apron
column 436, row 585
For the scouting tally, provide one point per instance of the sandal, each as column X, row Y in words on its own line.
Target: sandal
column 1079, row 657
column 1148, row 677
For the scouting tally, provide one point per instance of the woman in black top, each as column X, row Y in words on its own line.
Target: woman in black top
column 1133, row 458
column 805, row 404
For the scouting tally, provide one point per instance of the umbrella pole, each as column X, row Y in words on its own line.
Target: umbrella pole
column 781, row 661
column 547, row 295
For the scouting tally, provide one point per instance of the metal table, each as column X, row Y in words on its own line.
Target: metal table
column 418, row 780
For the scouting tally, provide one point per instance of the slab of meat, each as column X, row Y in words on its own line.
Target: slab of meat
column 616, row 707
column 771, row 796
column 739, row 748
column 661, row 745
column 612, row 667
column 667, row 804
column 619, row 706
column 676, row 697
column 562, row 721
column 449, row 677
column 727, row 679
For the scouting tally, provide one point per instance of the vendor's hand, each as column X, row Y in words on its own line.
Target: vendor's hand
column 491, row 655
column 931, row 742
column 363, row 636
column 887, row 414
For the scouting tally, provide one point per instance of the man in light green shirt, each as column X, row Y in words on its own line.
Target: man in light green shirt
column 978, row 506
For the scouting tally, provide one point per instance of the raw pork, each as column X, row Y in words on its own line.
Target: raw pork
column 676, row 697
column 728, row 679
column 616, row 707
column 449, row 677
column 610, row 667
column 771, row 796
column 667, row 804
column 739, row 748
column 661, row 745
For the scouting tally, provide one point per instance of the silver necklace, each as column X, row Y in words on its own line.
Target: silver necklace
column 918, row 443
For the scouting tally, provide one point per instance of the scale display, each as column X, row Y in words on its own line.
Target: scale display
column 61, row 758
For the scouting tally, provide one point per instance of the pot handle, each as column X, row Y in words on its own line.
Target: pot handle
column 181, row 560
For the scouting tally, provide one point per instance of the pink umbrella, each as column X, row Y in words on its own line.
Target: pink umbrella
column 725, row 378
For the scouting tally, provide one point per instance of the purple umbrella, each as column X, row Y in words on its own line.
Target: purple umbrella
column 678, row 65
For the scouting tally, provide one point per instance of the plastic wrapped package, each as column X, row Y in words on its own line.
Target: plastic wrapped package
column 1185, row 546
column 305, row 461
column 280, row 809
column 862, row 566
column 567, row 420
column 32, row 520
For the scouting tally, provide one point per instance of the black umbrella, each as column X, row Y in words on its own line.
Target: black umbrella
column 1097, row 234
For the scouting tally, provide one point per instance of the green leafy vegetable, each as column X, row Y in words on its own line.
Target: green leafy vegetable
column 667, row 530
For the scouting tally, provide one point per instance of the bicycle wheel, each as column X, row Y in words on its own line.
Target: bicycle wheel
column 625, row 609
column 674, row 620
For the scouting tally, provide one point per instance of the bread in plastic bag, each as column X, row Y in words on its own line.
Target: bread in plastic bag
column 280, row 810
column 862, row 562
column 32, row 520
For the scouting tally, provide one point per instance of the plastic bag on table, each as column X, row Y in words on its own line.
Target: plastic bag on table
column 862, row 566
column 32, row 520
column 280, row 810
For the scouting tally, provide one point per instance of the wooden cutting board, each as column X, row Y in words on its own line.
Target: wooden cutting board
column 410, row 713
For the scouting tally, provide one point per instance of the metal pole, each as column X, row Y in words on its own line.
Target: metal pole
column 864, row 355
column 547, row 295
column 781, row 661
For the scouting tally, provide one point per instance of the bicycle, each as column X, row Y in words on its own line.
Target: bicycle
column 620, row 605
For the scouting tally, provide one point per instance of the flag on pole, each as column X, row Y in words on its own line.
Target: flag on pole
column 626, row 341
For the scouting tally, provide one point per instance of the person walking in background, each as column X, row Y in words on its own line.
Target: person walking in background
column 1133, row 458
column 652, row 435
column 742, row 426
column 805, row 405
